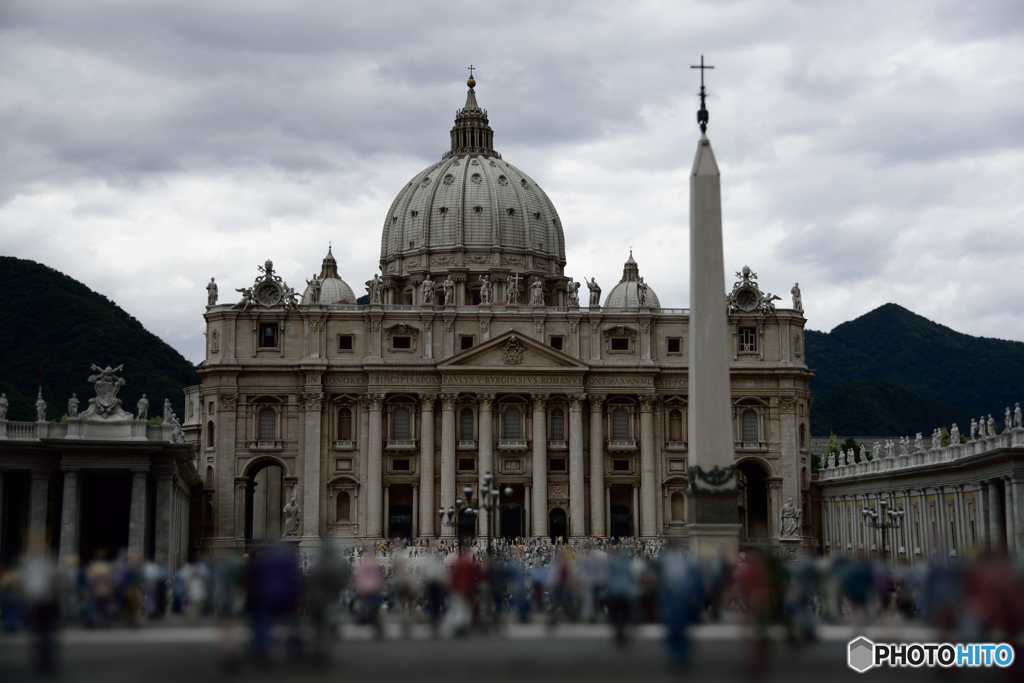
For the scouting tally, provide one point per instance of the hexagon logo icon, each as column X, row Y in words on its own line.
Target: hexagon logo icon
column 860, row 654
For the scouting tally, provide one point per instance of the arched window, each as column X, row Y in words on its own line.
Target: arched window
column 209, row 476
column 343, row 507
column 345, row 424
column 749, row 424
column 466, row 424
column 678, row 507
column 211, row 440
column 400, row 424
column 620, row 424
column 675, row 425
column 557, row 425
column 267, row 429
column 511, row 424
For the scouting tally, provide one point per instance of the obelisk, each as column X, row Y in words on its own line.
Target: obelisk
column 713, row 503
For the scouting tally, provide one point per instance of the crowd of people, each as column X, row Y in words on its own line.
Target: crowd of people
column 470, row 588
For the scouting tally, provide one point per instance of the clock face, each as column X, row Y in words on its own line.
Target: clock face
column 268, row 294
column 747, row 300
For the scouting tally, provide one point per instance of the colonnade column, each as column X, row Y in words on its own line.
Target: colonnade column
column 486, row 441
column 540, row 465
column 39, row 491
column 387, row 511
column 576, row 493
column 1009, row 510
column 426, row 509
column 598, row 495
column 162, row 551
column 241, row 494
column 997, row 532
column 981, row 515
column 1, row 511
column 415, row 509
column 68, row 518
column 375, row 468
column 312, row 402
column 137, row 516
column 448, row 459
column 648, row 482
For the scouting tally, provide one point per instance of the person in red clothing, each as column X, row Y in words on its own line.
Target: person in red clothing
column 462, row 580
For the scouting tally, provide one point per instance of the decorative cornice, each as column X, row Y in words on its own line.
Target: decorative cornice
column 540, row 401
column 448, row 401
column 427, row 402
column 787, row 404
column 647, row 403
column 485, row 400
column 375, row 401
column 311, row 401
column 576, row 401
column 228, row 401
column 596, row 402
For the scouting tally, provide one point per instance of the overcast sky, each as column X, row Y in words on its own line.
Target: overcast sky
column 872, row 151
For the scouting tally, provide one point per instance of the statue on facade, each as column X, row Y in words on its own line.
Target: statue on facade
column 905, row 445
column 831, row 460
column 595, row 293
column 798, row 304
column 573, row 288
column 1007, row 420
column 168, row 410
column 982, row 431
column 1016, row 415
column 485, row 289
column 449, row 291
column 641, row 292
column 4, row 405
column 314, row 289
column 936, row 439
column 918, row 442
column 106, row 404
column 40, row 407
column 177, row 433
column 991, row 426
column 427, row 292
column 876, row 450
column 247, row 299
column 954, row 435
column 143, row 407
column 290, row 298
column 211, row 293
column 73, row 406
column 512, row 290
column 377, row 290
column 537, row 292
column 790, row 519
column 974, row 429
column 850, row 459
column 292, row 517
column 890, row 449
column 842, row 458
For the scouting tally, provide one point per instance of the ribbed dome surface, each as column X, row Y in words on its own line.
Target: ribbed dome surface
column 472, row 211
column 626, row 294
column 333, row 290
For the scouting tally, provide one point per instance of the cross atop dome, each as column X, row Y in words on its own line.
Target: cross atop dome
column 471, row 133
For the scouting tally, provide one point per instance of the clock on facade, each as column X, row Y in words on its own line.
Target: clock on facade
column 268, row 294
column 746, row 299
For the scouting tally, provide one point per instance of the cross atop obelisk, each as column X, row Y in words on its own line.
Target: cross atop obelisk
column 702, row 114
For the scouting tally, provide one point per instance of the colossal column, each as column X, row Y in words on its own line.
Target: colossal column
column 648, row 483
column 448, row 459
column 597, row 489
column 69, row 518
column 484, row 432
column 311, row 405
column 375, row 469
column 37, row 499
column 576, row 493
column 540, row 465
column 712, row 461
column 426, row 508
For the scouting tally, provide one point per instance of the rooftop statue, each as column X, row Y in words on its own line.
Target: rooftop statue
column 4, row 405
column 73, row 406
column 314, row 288
column 427, row 291
column 247, row 300
column 211, row 293
column 573, row 288
column 798, row 304
column 1007, row 420
column 954, row 435
column 449, row 291
column 974, row 429
column 918, row 442
column 143, row 408
column 537, row 292
column 641, row 292
column 485, row 289
column 1016, row 415
column 512, row 290
column 106, row 405
column 595, row 293
column 41, row 407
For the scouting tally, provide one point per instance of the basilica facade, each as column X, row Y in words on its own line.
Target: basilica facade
column 474, row 357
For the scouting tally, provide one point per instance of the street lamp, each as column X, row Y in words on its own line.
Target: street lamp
column 890, row 519
column 450, row 517
column 488, row 505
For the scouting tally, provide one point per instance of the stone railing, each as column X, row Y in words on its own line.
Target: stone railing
column 18, row 430
column 1012, row 438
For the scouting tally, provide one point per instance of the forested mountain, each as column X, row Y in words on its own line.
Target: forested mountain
column 56, row 323
column 892, row 372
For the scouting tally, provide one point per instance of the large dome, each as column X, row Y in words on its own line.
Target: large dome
column 626, row 294
column 470, row 214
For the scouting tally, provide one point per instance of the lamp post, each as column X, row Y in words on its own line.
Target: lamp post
column 488, row 505
column 890, row 519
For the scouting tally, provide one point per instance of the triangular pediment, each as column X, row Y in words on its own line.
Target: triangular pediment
column 512, row 351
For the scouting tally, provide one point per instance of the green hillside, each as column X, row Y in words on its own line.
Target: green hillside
column 53, row 321
column 943, row 374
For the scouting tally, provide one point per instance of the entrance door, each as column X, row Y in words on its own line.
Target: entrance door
column 557, row 526
column 400, row 521
column 467, row 526
column 511, row 520
column 622, row 521
column 105, row 508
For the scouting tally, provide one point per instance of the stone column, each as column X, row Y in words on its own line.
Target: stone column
column 486, row 443
column 415, row 510
column 648, row 482
column 448, row 494
column 981, row 515
column 426, row 509
column 241, row 489
column 259, row 505
column 540, row 465
column 375, row 468
column 3, row 427
column 607, row 516
column 162, row 550
column 712, row 460
column 387, row 511
column 1010, row 508
column 774, row 505
column 274, row 503
column 997, row 535
column 577, row 493
column 224, row 464
column 312, row 403
column 137, row 516
column 527, row 511
column 635, row 509
column 68, row 517
column 599, row 505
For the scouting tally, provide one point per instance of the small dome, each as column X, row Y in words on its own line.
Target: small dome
column 333, row 290
column 626, row 294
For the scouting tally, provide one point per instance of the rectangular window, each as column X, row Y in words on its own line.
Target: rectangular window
column 268, row 335
column 557, row 464
column 345, row 342
column 675, row 345
column 620, row 465
column 401, row 465
column 466, row 425
column 557, row 427
column 466, row 342
column 400, row 424
column 267, row 428
column 620, row 344
column 748, row 340
column 467, row 464
column 558, row 343
column 401, row 342
column 511, row 424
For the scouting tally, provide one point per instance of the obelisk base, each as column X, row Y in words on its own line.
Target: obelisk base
column 714, row 529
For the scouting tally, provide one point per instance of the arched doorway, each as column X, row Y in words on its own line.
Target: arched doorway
column 558, row 526
column 264, row 502
column 754, row 499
